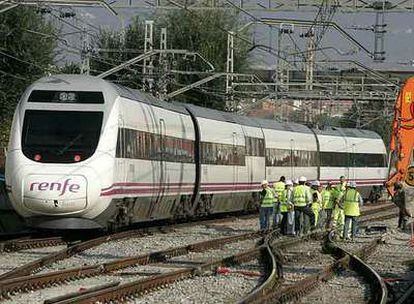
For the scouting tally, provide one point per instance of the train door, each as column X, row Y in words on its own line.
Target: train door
column 163, row 165
column 121, row 151
column 292, row 158
column 352, row 164
column 234, row 160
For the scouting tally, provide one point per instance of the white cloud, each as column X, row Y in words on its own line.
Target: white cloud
column 88, row 16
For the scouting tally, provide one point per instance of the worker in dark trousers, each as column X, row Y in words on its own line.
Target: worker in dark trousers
column 266, row 208
column 351, row 201
column 399, row 200
column 302, row 200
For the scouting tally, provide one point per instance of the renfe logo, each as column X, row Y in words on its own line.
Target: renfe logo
column 55, row 186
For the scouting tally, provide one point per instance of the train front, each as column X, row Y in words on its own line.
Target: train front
column 60, row 152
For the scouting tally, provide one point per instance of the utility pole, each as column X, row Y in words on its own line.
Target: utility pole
column 148, row 67
column 164, row 64
column 230, row 71
column 282, row 69
column 310, row 58
column 85, row 53
column 379, row 31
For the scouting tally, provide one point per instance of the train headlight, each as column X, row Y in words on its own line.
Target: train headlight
column 77, row 158
column 37, row 157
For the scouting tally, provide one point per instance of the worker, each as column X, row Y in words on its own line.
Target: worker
column 327, row 204
column 295, row 182
column 267, row 202
column 338, row 215
column 342, row 183
column 352, row 201
column 278, row 188
column 316, row 200
column 286, row 205
column 302, row 199
column 399, row 200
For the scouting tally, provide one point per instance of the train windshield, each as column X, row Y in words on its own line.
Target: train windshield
column 60, row 136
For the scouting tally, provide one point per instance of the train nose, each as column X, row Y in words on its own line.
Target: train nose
column 55, row 194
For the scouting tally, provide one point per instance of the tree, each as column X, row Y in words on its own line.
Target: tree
column 369, row 116
column 26, row 53
column 193, row 31
column 116, row 47
column 205, row 33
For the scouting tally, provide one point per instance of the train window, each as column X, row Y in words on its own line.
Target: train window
column 222, row 154
column 66, row 97
column 359, row 160
column 60, row 136
column 290, row 158
column 254, row 146
column 150, row 146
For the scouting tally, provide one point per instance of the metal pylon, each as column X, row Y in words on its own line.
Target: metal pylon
column 148, row 67
column 230, row 70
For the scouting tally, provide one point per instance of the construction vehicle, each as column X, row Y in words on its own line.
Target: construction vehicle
column 402, row 139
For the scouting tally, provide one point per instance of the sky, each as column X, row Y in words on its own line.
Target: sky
column 399, row 38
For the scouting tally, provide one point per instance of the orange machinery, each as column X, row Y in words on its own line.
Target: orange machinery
column 402, row 138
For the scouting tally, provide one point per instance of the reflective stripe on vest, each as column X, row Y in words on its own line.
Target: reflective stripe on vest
column 299, row 196
column 351, row 202
column 267, row 201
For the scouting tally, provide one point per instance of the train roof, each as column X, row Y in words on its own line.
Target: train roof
column 246, row 120
column 209, row 113
column 348, row 132
column 85, row 83
column 140, row 96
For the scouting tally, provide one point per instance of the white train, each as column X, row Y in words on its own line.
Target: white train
column 85, row 153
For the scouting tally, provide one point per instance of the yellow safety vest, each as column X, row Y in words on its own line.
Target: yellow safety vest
column 267, row 200
column 327, row 199
column 300, row 195
column 351, row 202
column 318, row 204
column 283, row 201
column 279, row 187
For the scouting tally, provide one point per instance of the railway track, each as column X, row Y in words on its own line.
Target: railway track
column 306, row 269
column 13, row 284
column 28, row 243
column 63, row 253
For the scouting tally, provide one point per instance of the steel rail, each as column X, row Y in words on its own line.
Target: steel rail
column 20, row 244
column 32, row 282
column 36, row 265
column 65, row 253
column 356, row 263
column 274, row 247
column 129, row 290
column 296, row 291
column 408, row 294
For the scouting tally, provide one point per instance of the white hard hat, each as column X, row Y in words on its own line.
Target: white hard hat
column 264, row 182
column 352, row 184
column 316, row 183
column 296, row 181
column 289, row 182
column 302, row 179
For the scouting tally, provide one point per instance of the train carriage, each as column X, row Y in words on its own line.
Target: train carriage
column 85, row 153
column 359, row 155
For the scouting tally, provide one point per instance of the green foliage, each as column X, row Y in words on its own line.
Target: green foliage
column 115, row 47
column 26, row 52
column 69, row 68
column 380, row 124
column 193, row 31
column 204, row 33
